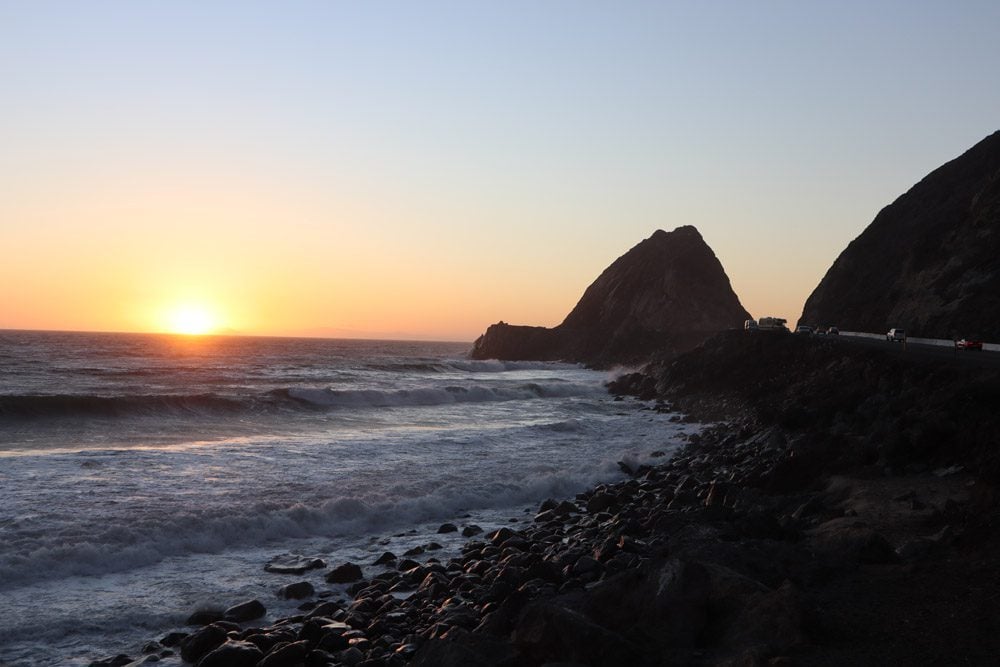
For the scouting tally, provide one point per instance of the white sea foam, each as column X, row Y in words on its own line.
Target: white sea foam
column 113, row 527
column 430, row 396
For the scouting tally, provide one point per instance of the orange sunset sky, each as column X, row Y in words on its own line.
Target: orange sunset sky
column 421, row 170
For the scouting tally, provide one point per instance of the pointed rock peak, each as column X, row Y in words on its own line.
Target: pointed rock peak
column 684, row 231
column 665, row 295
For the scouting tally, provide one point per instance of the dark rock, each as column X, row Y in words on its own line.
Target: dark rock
column 667, row 294
column 386, row 558
column 351, row 656
column 344, row 574
column 465, row 649
column 415, row 551
column 205, row 616
column 549, row 633
column 245, row 611
column 232, row 654
column 289, row 655
column 294, row 564
column 847, row 541
column 470, row 530
column 666, row 601
column 118, row 661
column 933, row 253
column 600, row 502
column 447, row 528
column 297, row 591
column 200, row 642
column 173, row 638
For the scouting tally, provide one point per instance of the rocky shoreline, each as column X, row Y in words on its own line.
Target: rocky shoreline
column 839, row 512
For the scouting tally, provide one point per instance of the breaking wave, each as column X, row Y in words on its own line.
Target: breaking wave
column 25, row 407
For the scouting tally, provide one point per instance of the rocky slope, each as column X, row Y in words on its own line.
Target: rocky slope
column 843, row 512
column 664, row 296
column 929, row 262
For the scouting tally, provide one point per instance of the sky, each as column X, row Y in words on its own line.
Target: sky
column 424, row 169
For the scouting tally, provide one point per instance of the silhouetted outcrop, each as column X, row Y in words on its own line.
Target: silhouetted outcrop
column 664, row 296
column 929, row 262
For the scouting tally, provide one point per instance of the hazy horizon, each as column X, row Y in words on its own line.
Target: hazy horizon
column 425, row 171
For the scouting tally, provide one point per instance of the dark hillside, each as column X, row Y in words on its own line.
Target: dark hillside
column 929, row 262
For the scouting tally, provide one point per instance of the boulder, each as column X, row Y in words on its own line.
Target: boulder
column 297, row 591
column 200, row 642
column 547, row 632
column 289, row 655
column 344, row 574
column 245, row 611
column 205, row 616
column 667, row 602
column 232, row 654
column 847, row 541
column 386, row 558
column 294, row 564
column 460, row 648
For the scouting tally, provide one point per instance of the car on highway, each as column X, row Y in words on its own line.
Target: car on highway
column 965, row 344
column 833, row 331
column 896, row 335
column 803, row 329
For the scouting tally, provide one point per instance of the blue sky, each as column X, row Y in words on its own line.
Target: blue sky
column 495, row 153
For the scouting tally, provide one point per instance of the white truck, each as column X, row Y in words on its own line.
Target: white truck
column 772, row 324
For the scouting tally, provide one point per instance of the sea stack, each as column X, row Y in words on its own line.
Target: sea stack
column 929, row 262
column 662, row 297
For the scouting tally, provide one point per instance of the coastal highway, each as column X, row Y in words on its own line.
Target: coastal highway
column 923, row 349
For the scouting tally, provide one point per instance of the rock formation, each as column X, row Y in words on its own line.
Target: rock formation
column 929, row 262
column 664, row 296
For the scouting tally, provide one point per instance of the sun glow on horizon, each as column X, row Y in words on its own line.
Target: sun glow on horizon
column 191, row 320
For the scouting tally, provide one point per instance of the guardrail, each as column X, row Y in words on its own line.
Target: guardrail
column 940, row 342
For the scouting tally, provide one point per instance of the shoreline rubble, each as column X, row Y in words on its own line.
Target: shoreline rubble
column 805, row 527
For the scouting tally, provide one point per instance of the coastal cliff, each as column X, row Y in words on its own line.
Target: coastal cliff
column 929, row 262
column 665, row 295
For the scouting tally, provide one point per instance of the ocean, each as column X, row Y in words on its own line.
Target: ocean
column 143, row 477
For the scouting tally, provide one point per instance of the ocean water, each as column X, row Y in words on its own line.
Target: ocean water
column 144, row 476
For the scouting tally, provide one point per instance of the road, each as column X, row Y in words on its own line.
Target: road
column 980, row 358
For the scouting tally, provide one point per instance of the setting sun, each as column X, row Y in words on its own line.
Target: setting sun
column 191, row 320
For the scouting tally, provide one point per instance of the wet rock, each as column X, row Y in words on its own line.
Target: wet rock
column 199, row 643
column 232, row 654
column 344, row 574
column 600, row 502
column 294, row 564
column 173, row 638
column 152, row 647
column 415, row 551
column 289, row 655
column 205, row 616
column 118, row 661
column 566, row 507
column 386, row 558
column 297, row 591
column 470, row 530
column 351, row 656
column 447, row 528
column 245, row 611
